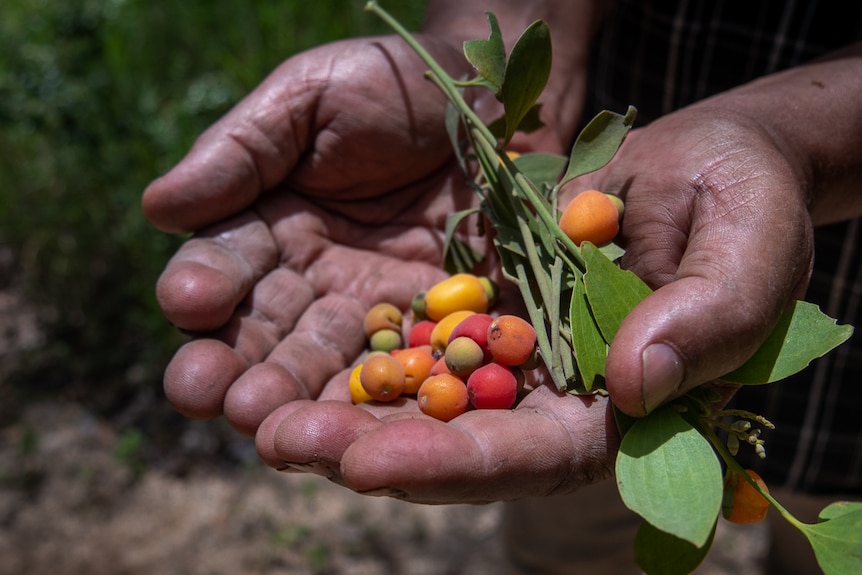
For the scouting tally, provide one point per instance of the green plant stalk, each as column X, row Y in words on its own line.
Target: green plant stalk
column 478, row 130
column 544, row 343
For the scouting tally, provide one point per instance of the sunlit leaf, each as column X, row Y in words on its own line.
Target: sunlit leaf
column 668, row 473
column 837, row 541
column 838, row 509
column 591, row 349
column 803, row 334
column 611, row 291
column 598, row 142
column 527, row 72
column 542, row 169
column 488, row 56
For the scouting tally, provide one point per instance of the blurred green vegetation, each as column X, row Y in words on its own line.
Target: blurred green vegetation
column 97, row 98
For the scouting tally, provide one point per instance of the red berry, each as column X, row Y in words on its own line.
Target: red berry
column 492, row 386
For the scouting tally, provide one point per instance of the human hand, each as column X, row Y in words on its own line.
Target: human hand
column 313, row 200
column 716, row 221
column 324, row 191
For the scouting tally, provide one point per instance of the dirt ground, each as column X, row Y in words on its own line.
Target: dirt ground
column 84, row 494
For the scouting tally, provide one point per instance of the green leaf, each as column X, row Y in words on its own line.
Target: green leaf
column 527, row 72
column 489, row 56
column 459, row 257
column 837, row 541
column 541, row 169
column 612, row 251
column 660, row 553
column 591, row 350
column 668, row 473
column 611, row 291
column 803, row 334
column 624, row 421
column 598, row 142
column 838, row 509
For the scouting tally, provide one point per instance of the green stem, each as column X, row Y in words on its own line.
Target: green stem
column 538, row 322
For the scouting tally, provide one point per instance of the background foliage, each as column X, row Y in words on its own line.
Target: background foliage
column 97, row 98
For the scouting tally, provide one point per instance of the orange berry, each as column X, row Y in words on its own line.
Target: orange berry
column 742, row 502
column 443, row 397
column 417, row 363
column 382, row 377
column 511, row 340
column 382, row 316
column 456, row 293
column 592, row 217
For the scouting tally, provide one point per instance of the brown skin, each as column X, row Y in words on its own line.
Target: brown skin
column 307, row 213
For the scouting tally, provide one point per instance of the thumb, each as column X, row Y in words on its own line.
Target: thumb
column 249, row 150
column 699, row 327
column 680, row 336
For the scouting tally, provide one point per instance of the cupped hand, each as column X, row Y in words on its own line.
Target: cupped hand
column 716, row 221
column 323, row 192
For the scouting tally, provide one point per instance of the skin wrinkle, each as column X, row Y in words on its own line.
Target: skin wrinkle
column 327, row 129
column 305, row 116
column 224, row 240
column 486, row 463
column 728, row 203
column 577, row 474
column 410, row 114
column 256, row 141
column 258, row 312
column 329, row 345
column 286, row 363
column 301, row 119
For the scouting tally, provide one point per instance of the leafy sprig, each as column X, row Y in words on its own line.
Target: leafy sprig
column 669, row 466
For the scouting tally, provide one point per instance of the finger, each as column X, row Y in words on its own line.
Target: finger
column 552, row 443
column 211, row 273
column 199, row 375
column 314, row 436
column 264, row 438
column 742, row 262
column 327, row 338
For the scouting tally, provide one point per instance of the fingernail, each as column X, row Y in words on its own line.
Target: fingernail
column 662, row 374
column 386, row 492
column 315, row 467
